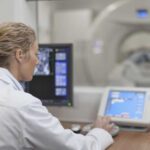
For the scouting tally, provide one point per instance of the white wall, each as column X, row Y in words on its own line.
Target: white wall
column 18, row 10
column 71, row 25
column 25, row 12
column 6, row 10
column 45, row 18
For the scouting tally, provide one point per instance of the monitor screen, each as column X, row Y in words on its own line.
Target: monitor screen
column 125, row 104
column 52, row 80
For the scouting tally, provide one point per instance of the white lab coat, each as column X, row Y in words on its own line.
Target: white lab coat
column 27, row 125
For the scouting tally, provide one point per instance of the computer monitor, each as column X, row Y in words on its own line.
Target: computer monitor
column 52, row 80
column 126, row 106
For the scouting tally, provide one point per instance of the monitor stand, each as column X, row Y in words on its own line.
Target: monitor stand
column 133, row 128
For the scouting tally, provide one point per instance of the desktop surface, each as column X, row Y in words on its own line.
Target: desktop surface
column 125, row 140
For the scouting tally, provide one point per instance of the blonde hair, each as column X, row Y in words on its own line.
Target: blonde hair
column 14, row 36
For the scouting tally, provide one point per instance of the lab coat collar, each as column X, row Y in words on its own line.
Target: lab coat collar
column 8, row 78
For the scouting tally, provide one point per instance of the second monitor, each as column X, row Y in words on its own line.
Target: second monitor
column 128, row 106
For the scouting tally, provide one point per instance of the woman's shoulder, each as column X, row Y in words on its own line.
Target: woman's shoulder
column 14, row 98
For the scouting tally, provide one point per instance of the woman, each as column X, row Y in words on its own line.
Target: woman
column 24, row 123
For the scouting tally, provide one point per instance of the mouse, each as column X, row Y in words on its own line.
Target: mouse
column 76, row 128
column 115, row 130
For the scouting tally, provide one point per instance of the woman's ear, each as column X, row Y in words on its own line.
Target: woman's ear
column 19, row 55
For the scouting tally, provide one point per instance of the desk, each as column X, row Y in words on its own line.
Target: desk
column 126, row 140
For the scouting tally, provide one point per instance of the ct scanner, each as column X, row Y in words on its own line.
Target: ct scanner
column 116, row 49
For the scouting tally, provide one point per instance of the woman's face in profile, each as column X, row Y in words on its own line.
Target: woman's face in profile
column 28, row 65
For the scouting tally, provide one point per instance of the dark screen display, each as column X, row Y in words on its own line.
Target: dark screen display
column 52, row 80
